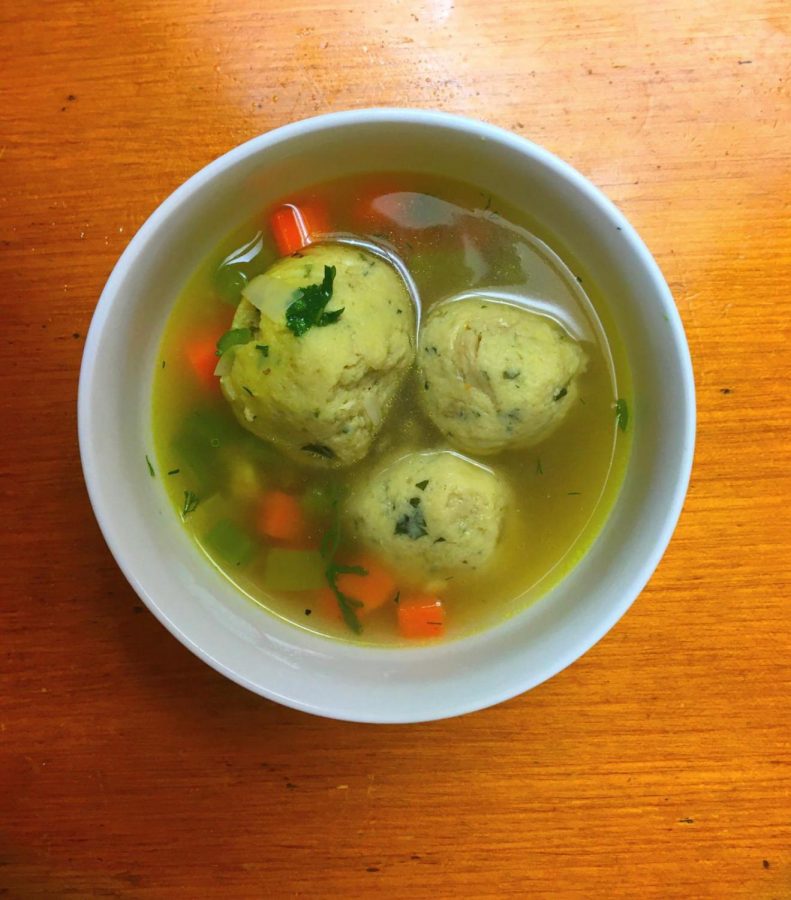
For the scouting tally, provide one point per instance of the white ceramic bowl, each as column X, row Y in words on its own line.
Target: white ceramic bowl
column 198, row 605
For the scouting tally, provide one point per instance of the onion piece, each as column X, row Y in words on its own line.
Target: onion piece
column 270, row 295
column 225, row 362
column 372, row 408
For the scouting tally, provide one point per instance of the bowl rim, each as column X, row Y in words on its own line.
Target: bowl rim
column 477, row 129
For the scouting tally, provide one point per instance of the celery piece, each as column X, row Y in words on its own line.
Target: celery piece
column 196, row 444
column 229, row 543
column 293, row 570
column 229, row 281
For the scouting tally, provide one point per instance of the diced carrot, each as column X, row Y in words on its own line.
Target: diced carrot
column 372, row 590
column 421, row 616
column 202, row 357
column 280, row 517
column 294, row 227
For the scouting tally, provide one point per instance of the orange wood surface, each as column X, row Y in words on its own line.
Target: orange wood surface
column 659, row 765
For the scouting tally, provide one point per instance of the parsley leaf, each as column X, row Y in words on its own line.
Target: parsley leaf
column 329, row 547
column 190, row 503
column 232, row 338
column 150, row 467
column 263, row 349
column 307, row 308
column 621, row 413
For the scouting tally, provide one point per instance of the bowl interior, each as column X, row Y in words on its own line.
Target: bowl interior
column 198, row 605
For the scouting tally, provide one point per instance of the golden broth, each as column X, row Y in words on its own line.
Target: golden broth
column 453, row 239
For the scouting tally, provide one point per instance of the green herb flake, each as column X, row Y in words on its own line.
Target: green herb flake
column 422, row 485
column 306, row 311
column 150, row 467
column 412, row 523
column 560, row 393
column 244, row 387
column 190, row 504
column 174, row 471
column 329, row 547
column 233, row 338
column 263, row 349
column 621, row 413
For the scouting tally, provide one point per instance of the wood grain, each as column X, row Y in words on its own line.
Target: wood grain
column 659, row 765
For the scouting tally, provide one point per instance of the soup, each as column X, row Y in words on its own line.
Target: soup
column 388, row 411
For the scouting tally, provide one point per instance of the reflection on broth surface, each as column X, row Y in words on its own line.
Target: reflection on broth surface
column 341, row 344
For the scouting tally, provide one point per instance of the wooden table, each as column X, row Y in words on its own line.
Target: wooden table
column 659, row 765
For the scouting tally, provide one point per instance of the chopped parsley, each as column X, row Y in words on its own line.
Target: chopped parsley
column 174, row 471
column 244, row 386
column 422, row 485
column 263, row 349
column 413, row 522
column 307, row 309
column 560, row 393
column 150, row 467
column 190, row 503
column 232, row 338
column 621, row 413
column 329, row 547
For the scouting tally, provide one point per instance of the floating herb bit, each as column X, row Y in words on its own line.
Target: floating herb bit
column 329, row 547
column 190, row 504
column 247, row 389
column 263, row 349
column 560, row 394
column 233, row 338
column 174, row 471
column 422, row 485
column 150, row 467
column 621, row 413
